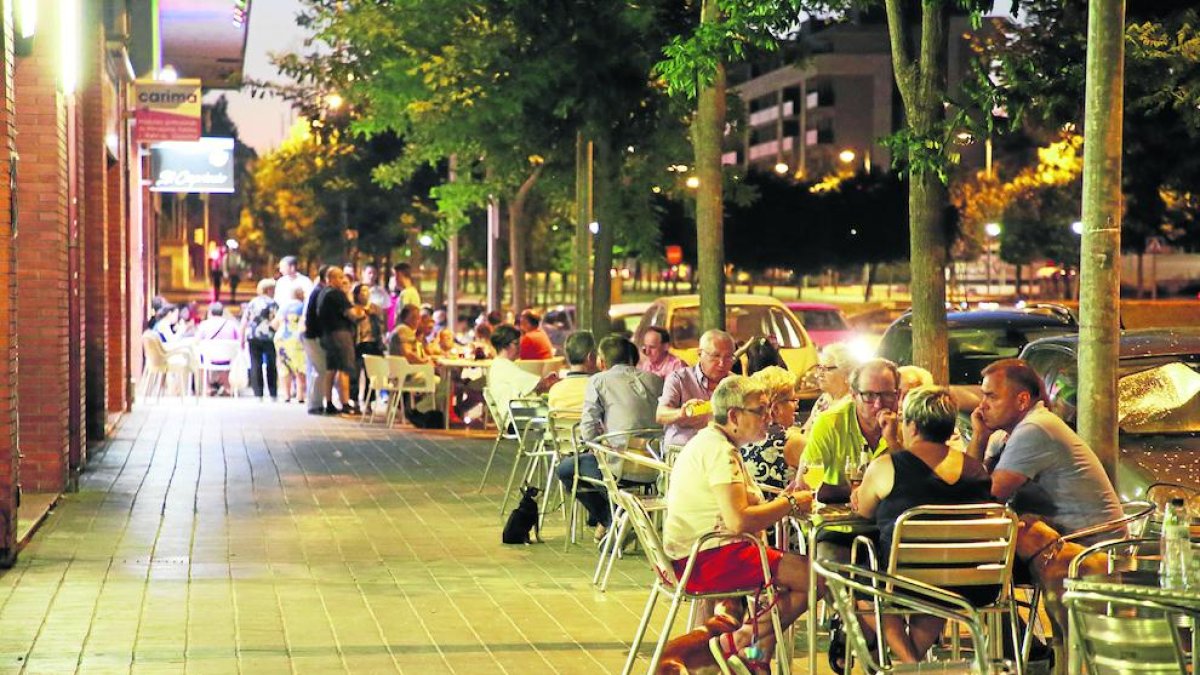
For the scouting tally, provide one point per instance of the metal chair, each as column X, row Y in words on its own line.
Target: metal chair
column 1118, row 635
column 528, row 416
column 953, row 546
column 611, row 455
column 667, row 582
column 379, row 381
column 504, row 431
column 562, row 440
column 216, row 356
column 912, row 596
column 541, row 367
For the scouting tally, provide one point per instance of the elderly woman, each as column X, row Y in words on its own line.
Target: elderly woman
column 834, row 366
column 711, row 491
column 773, row 460
column 925, row 472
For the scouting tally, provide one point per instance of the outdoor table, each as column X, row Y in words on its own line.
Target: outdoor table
column 447, row 368
column 825, row 517
column 1137, row 585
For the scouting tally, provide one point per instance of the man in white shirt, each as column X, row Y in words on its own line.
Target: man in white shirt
column 289, row 279
column 506, row 381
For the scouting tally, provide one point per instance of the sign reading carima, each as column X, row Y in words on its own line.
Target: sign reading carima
column 205, row 165
column 166, row 111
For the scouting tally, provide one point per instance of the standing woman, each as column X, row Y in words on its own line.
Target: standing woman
column 260, row 320
column 368, row 338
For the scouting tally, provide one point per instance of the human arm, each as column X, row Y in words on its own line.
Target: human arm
column 876, row 485
column 742, row 517
column 793, row 446
column 1006, row 483
column 1028, row 451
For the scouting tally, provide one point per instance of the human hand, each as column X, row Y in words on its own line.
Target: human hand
column 546, row 382
column 979, row 428
column 854, row 500
column 694, row 409
column 889, row 422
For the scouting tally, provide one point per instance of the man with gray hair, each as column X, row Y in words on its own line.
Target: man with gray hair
column 683, row 407
column 567, row 394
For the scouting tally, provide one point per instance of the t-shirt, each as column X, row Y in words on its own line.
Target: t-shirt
column 285, row 288
column 707, row 461
column 567, row 393
column 836, row 437
column 536, row 346
column 1067, row 483
column 332, row 310
column 507, row 381
column 313, row 328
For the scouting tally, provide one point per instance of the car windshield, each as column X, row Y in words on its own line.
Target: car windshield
column 742, row 321
column 972, row 348
column 821, row 319
column 1164, row 399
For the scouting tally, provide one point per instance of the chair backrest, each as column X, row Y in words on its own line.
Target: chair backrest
column 563, row 430
column 845, row 582
column 541, row 367
column 647, row 535
column 217, row 352
column 1117, row 634
column 608, row 448
column 418, row 378
column 955, row 545
column 377, row 369
column 1134, row 519
column 500, row 417
column 152, row 347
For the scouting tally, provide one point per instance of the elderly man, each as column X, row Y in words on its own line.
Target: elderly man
column 656, row 353
column 842, row 433
column 289, row 280
column 683, row 407
column 1034, row 456
column 506, row 380
column 621, row 398
column 567, row 394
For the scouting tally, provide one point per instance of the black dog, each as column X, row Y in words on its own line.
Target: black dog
column 523, row 520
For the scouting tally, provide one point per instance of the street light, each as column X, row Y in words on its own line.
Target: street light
column 992, row 230
column 1077, row 227
column 847, row 155
column 425, row 240
column 334, row 101
column 781, row 168
column 693, row 182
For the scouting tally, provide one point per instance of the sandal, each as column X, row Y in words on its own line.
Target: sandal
column 731, row 662
column 837, row 646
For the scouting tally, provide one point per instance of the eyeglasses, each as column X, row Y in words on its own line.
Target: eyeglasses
column 759, row 412
column 882, row 396
column 824, row 368
column 723, row 358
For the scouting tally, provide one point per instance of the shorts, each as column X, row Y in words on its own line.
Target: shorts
column 731, row 567
column 339, row 350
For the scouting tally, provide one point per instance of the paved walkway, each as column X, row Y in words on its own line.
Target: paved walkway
column 237, row 536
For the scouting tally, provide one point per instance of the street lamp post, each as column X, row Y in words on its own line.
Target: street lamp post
column 992, row 230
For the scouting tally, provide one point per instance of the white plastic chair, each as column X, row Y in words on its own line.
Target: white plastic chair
column 160, row 364
column 408, row 378
column 379, row 381
column 216, row 356
column 541, row 367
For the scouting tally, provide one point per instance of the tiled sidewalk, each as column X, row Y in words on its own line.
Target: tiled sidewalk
column 237, row 536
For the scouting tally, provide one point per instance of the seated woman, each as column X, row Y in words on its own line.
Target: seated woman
column 773, row 460
column 925, row 472
column 711, row 491
column 834, row 366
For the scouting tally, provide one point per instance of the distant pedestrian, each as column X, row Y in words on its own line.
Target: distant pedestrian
column 289, row 348
column 260, row 321
column 338, row 317
column 215, row 273
column 379, row 295
column 404, row 291
column 368, row 340
column 318, row 389
column 290, row 278
column 233, row 266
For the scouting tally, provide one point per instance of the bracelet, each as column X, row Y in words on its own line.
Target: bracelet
column 792, row 501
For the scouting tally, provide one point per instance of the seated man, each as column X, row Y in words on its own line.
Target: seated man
column 621, row 398
column 711, row 491
column 656, row 353
column 1037, row 461
column 217, row 326
column 506, row 381
column 567, row 394
column 535, row 343
column 682, row 408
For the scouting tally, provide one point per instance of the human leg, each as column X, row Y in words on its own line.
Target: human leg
column 314, row 390
column 593, row 498
column 256, row 366
column 268, row 350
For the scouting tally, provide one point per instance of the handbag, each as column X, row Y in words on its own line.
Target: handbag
column 239, row 370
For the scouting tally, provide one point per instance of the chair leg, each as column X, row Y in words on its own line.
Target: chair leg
column 1014, row 630
column 512, row 475
column 1027, row 643
column 666, row 632
column 643, row 624
column 551, row 466
column 491, row 457
column 605, row 546
column 614, row 551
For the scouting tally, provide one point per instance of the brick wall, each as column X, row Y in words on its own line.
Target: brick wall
column 94, row 203
column 43, row 271
column 8, row 369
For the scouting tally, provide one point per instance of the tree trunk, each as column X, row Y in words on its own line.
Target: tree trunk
column 1099, row 306
column 868, row 280
column 708, row 130
column 517, row 238
column 583, row 234
column 604, row 187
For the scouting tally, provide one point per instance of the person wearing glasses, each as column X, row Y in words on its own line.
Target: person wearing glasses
column 656, row 353
column 844, row 432
column 773, row 460
column 711, row 491
column 683, row 407
column 833, row 377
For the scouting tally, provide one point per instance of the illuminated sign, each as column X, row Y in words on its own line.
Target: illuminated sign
column 166, row 111
column 205, row 165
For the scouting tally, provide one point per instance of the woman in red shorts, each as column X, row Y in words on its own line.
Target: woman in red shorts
column 710, row 490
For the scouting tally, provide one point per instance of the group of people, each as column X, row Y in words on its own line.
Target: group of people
column 736, row 434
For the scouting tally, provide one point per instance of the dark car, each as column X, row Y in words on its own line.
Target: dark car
column 1158, row 406
column 981, row 337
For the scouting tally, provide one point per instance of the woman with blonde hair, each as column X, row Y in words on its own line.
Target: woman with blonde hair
column 773, row 460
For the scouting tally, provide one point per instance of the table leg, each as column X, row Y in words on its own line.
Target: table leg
column 812, row 602
column 448, row 375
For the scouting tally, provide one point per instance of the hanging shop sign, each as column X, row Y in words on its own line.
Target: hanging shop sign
column 166, row 111
column 205, row 165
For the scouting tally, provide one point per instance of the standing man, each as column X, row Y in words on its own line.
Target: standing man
column 234, row 267
column 683, row 408
column 215, row 267
column 656, row 353
column 846, row 429
column 338, row 317
column 317, row 389
column 404, row 290
column 378, row 294
column 289, row 279
column 1034, row 457
column 535, row 344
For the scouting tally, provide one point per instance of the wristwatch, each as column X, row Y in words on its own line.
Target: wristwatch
column 792, row 500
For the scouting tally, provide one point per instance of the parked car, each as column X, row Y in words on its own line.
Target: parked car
column 981, row 337
column 625, row 317
column 746, row 316
column 824, row 323
column 1158, row 401
column 558, row 322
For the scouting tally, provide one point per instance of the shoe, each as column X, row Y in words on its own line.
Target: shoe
column 331, row 409
column 352, row 412
column 837, row 646
column 316, row 411
column 599, row 534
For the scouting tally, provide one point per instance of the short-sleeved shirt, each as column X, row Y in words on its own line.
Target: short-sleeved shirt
column 1066, row 482
column 332, row 310
column 507, row 381
column 708, row 460
column 567, row 394
column 836, row 437
column 285, row 288
column 669, row 364
column 679, row 388
column 536, row 345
